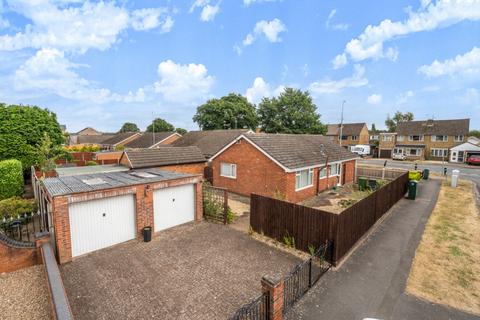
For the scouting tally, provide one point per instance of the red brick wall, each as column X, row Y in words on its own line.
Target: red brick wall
column 256, row 173
column 13, row 258
column 195, row 168
column 170, row 140
column 143, row 205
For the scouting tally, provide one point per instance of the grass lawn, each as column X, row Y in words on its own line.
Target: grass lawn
column 446, row 268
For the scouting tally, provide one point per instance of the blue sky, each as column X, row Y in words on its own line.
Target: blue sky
column 101, row 64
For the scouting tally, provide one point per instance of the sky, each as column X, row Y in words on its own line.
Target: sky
column 103, row 63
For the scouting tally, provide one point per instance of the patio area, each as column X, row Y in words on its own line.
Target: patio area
column 195, row 271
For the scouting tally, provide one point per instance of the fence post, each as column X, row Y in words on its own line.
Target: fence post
column 274, row 287
column 310, row 272
column 225, row 207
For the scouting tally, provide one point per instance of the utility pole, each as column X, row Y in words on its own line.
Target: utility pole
column 341, row 124
column 153, row 129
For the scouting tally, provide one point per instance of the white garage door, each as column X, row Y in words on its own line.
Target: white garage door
column 173, row 206
column 101, row 223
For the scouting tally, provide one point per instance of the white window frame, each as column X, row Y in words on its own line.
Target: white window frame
column 354, row 138
column 420, row 137
column 298, row 175
column 400, row 138
column 459, row 138
column 233, row 168
column 443, row 139
column 387, row 138
column 337, row 169
column 418, row 152
column 439, row 152
column 322, row 174
column 395, row 150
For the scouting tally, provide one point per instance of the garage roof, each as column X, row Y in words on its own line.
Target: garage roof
column 163, row 156
column 90, row 182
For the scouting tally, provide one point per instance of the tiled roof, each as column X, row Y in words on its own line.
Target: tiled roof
column 84, row 183
column 119, row 137
column 148, row 139
column 296, row 151
column 434, row 127
column 94, row 139
column 163, row 156
column 349, row 129
column 209, row 142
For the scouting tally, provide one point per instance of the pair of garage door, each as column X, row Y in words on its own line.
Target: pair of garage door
column 105, row 222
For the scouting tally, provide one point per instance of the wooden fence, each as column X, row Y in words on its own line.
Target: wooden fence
column 312, row 227
column 379, row 172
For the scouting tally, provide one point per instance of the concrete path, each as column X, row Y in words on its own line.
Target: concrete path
column 371, row 283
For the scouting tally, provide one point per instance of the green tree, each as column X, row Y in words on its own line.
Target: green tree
column 160, row 125
column 129, row 127
column 46, row 158
column 21, row 130
column 291, row 112
column 374, row 128
column 229, row 112
column 392, row 123
column 474, row 133
column 181, row 131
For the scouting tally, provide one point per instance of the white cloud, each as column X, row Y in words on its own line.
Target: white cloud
column 249, row 2
column 339, row 61
column 471, row 97
column 78, row 28
column 187, row 83
column 209, row 12
column 374, row 99
column 261, row 89
column 269, row 29
column 151, row 18
column 335, row 86
column 443, row 13
column 404, row 97
column 466, row 64
column 335, row 26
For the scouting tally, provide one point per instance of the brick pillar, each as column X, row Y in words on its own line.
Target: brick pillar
column 144, row 208
column 198, row 202
column 61, row 221
column 274, row 286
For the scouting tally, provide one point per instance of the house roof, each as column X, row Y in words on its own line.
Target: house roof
column 148, row 139
column 93, row 139
column 163, row 156
column 209, row 142
column 119, row 137
column 95, row 132
column 434, row 127
column 295, row 151
column 101, row 181
column 349, row 129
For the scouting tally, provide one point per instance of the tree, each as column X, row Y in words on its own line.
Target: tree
column 129, row 127
column 474, row 133
column 160, row 125
column 374, row 128
column 229, row 112
column 392, row 123
column 22, row 129
column 292, row 112
column 181, row 131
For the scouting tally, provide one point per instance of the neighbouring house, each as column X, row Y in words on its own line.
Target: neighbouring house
column 88, row 136
column 386, row 143
column 119, row 140
column 289, row 166
column 351, row 134
column 177, row 159
column 93, row 211
column 150, row 140
column 430, row 139
column 88, row 131
column 463, row 151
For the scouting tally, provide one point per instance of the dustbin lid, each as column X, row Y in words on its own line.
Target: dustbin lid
column 455, row 171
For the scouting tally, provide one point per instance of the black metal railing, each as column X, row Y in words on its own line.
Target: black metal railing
column 304, row 276
column 257, row 309
column 23, row 227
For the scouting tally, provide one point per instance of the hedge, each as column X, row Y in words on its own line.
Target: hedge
column 11, row 178
column 16, row 206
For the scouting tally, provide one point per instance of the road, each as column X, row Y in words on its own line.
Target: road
column 469, row 173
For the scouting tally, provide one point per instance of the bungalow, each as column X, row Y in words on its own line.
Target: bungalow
column 463, row 151
column 119, row 140
column 151, row 140
column 293, row 167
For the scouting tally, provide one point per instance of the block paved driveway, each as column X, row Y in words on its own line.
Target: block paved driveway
column 195, row 271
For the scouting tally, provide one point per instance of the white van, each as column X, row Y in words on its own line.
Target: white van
column 361, row 149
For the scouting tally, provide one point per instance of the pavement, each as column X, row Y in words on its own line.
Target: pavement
column 371, row 283
column 194, row 271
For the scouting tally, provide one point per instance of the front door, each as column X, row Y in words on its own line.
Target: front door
column 453, row 156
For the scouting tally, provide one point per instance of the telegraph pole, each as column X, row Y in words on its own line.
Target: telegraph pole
column 341, row 124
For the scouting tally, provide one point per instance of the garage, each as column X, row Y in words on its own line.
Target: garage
column 101, row 223
column 385, row 153
column 173, row 206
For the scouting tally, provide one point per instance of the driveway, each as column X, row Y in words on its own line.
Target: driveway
column 371, row 283
column 195, row 271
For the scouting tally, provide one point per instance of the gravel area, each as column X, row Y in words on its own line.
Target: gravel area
column 24, row 294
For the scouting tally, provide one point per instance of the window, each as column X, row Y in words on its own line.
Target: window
column 335, row 169
column 414, row 152
column 354, row 138
column 400, row 138
column 303, row 179
column 323, row 173
column 459, row 138
column 398, row 151
column 228, row 170
column 344, row 137
column 388, row 138
column 439, row 153
column 440, row 138
column 415, row 138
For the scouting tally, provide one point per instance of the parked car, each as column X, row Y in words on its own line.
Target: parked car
column 399, row 156
column 475, row 159
column 361, row 150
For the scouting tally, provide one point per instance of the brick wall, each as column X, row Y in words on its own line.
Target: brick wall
column 14, row 258
column 143, row 205
column 195, row 168
column 170, row 140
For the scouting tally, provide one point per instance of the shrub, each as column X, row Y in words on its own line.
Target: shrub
column 11, row 178
column 289, row 241
column 16, row 206
column 91, row 163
